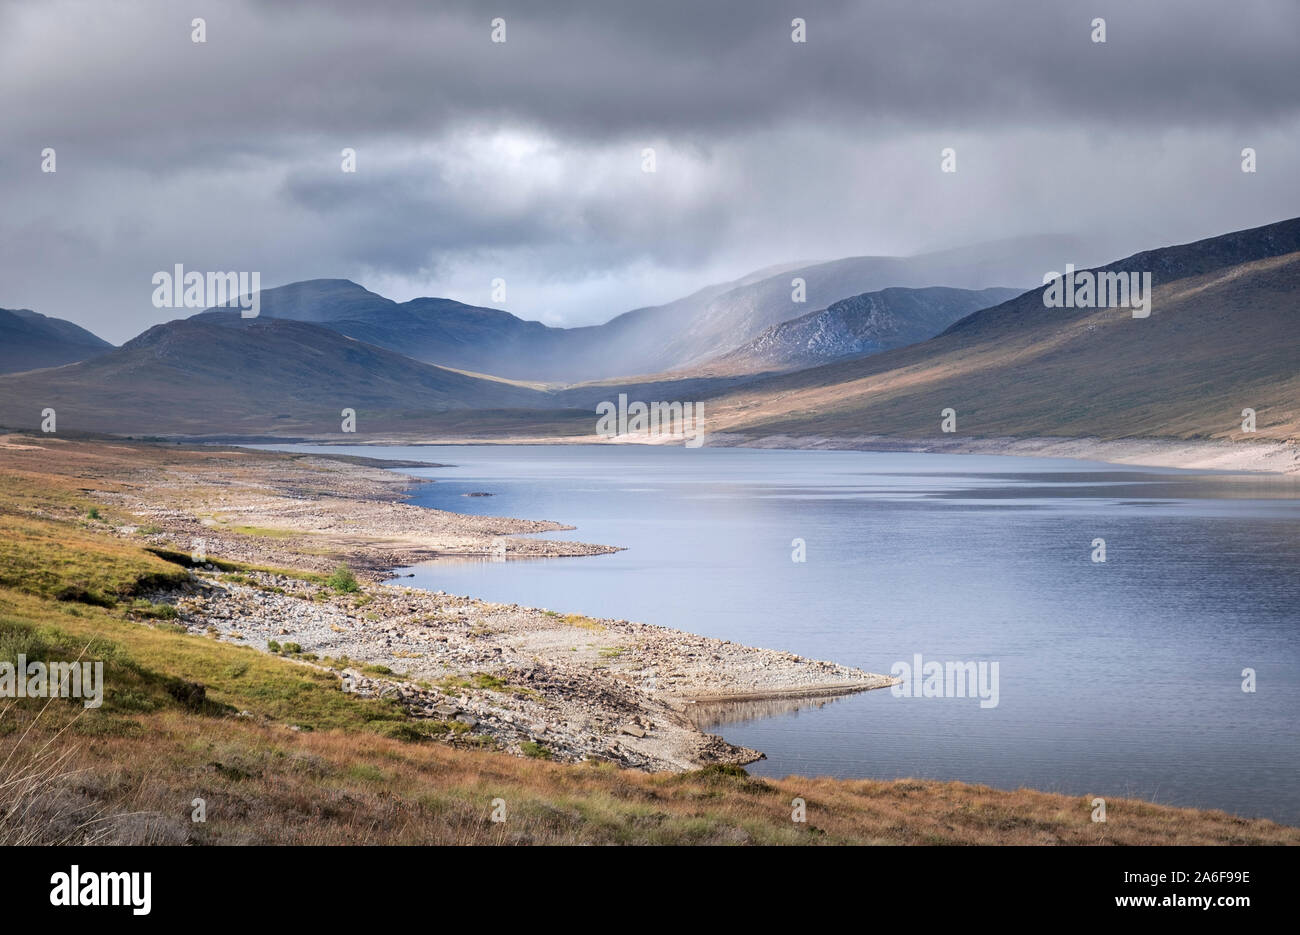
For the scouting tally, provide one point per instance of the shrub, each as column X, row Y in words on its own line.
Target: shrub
column 343, row 580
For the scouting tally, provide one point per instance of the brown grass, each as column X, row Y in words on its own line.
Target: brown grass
column 264, row 784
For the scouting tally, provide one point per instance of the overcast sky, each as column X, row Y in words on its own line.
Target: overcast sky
column 523, row 160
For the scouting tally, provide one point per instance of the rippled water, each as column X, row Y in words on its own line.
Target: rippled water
column 1122, row 678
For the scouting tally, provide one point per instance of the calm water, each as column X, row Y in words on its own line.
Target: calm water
column 1123, row 678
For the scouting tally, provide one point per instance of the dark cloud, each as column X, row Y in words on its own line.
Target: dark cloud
column 479, row 159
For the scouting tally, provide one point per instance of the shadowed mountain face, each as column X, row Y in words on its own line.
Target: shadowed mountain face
column 1223, row 335
column 683, row 333
column 29, row 341
column 855, row 327
column 222, row 374
column 436, row 331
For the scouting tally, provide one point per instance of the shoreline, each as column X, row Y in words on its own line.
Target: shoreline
column 526, row 680
column 1265, row 456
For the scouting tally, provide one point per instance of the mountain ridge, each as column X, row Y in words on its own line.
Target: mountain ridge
column 1223, row 335
column 32, row 341
column 225, row 373
column 676, row 335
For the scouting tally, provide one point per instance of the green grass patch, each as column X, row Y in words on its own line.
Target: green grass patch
column 54, row 560
column 452, row 684
column 419, row 729
column 141, row 607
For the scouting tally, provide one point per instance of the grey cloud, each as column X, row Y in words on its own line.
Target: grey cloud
column 227, row 153
column 596, row 70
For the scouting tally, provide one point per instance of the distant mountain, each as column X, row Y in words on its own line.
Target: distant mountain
column 1223, row 335
column 220, row 374
column 856, row 326
column 680, row 334
column 712, row 322
column 320, row 301
column 437, row 331
column 29, row 341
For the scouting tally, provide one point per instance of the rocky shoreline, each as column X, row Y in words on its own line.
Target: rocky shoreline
column 530, row 681
column 506, row 677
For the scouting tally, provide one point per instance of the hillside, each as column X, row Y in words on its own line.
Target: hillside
column 29, row 340
column 855, row 327
column 1222, row 336
column 224, row 374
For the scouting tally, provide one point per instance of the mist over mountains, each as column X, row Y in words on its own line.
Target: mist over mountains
column 1222, row 334
column 677, row 335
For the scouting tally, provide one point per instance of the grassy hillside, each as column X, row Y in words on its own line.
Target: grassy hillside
column 1222, row 336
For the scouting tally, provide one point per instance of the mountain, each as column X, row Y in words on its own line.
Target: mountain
column 436, row 331
column 29, row 341
column 220, row 374
column 693, row 330
column 320, row 301
column 856, row 326
column 1223, row 335
column 681, row 334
